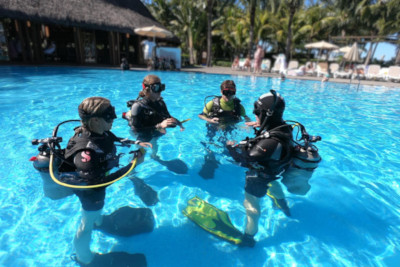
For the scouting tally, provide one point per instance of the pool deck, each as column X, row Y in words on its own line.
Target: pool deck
column 229, row 71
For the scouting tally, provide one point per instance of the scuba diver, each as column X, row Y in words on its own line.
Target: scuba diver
column 83, row 168
column 149, row 118
column 268, row 155
column 221, row 113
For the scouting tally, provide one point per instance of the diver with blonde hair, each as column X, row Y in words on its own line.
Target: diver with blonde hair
column 149, row 119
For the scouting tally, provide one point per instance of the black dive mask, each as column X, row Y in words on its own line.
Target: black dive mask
column 108, row 115
column 156, row 87
column 229, row 91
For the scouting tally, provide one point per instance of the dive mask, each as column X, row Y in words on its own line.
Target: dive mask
column 229, row 91
column 155, row 87
column 108, row 115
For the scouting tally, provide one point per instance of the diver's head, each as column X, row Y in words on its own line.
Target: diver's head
column 152, row 87
column 270, row 105
column 97, row 114
column 228, row 90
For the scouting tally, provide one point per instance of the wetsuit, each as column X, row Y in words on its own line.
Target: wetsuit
column 226, row 110
column 266, row 157
column 145, row 115
column 90, row 157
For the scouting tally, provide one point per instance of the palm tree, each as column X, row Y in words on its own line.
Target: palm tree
column 293, row 6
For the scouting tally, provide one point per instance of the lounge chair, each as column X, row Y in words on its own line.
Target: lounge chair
column 265, row 65
column 322, row 69
column 279, row 64
column 373, row 72
column 343, row 74
column 310, row 68
column 359, row 72
column 393, row 73
column 333, row 67
column 241, row 63
column 293, row 64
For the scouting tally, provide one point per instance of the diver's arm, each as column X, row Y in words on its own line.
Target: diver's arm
column 205, row 113
column 261, row 151
column 238, row 153
column 210, row 120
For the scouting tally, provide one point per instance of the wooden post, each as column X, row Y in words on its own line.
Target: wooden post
column 111, row 47
column 38, row 52
column 78, row 46
column 18, row 28
column 117, row 50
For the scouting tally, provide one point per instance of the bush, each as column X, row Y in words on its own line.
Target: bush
column 222, row 63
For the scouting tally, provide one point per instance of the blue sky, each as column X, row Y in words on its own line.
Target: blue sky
column 385, row 49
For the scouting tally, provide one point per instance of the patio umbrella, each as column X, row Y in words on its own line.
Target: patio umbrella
column 353, row 54
column 153, row 31
column 322, row 45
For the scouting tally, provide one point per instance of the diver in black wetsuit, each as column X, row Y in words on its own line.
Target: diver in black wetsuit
column 90, row 154
column 267, row 156
column 149, row 118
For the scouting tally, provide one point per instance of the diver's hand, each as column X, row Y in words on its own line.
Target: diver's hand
column 252, row 123
column 182, row 128
column 139, row 155
column 170, row 122
column 145, row 144
column 230, row 143
column 214, row 120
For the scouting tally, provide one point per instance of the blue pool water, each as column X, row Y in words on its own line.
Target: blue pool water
column 349, row 217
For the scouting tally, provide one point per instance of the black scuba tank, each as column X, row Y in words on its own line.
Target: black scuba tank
column 306, row 158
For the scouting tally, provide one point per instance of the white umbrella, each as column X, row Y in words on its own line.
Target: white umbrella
column 346, row 49
column 321, row 45
column 353, row 54
column 153, row 31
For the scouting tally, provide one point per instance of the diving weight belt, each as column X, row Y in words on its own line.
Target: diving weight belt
column 212, row 220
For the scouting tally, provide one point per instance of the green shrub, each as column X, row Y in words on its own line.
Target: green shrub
column 222, row 63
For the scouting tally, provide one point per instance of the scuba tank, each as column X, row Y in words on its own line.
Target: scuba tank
column 51, row 157
column 306, row 157
column 305, row 154
column 41, row 163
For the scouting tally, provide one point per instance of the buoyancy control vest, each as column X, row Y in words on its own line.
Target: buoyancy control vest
column 102, row 145
column 281, row 158
column 151, row 115
column 217, row 111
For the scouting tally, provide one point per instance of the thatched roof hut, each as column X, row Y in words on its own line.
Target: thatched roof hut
column 111, row 15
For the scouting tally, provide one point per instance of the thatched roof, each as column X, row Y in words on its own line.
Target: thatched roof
column 113, row 15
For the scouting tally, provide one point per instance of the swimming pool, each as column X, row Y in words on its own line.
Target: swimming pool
column 349, row 217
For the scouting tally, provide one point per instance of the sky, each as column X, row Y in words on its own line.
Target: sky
column 384, row 49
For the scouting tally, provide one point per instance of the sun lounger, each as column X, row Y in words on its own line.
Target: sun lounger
column 373, row 72
column 310, row 68
column 333, row 67
column 293, row 64
column 265, row 65
column 279, row 64
column 343, row 74
column 393, row 73
column 359, row 72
